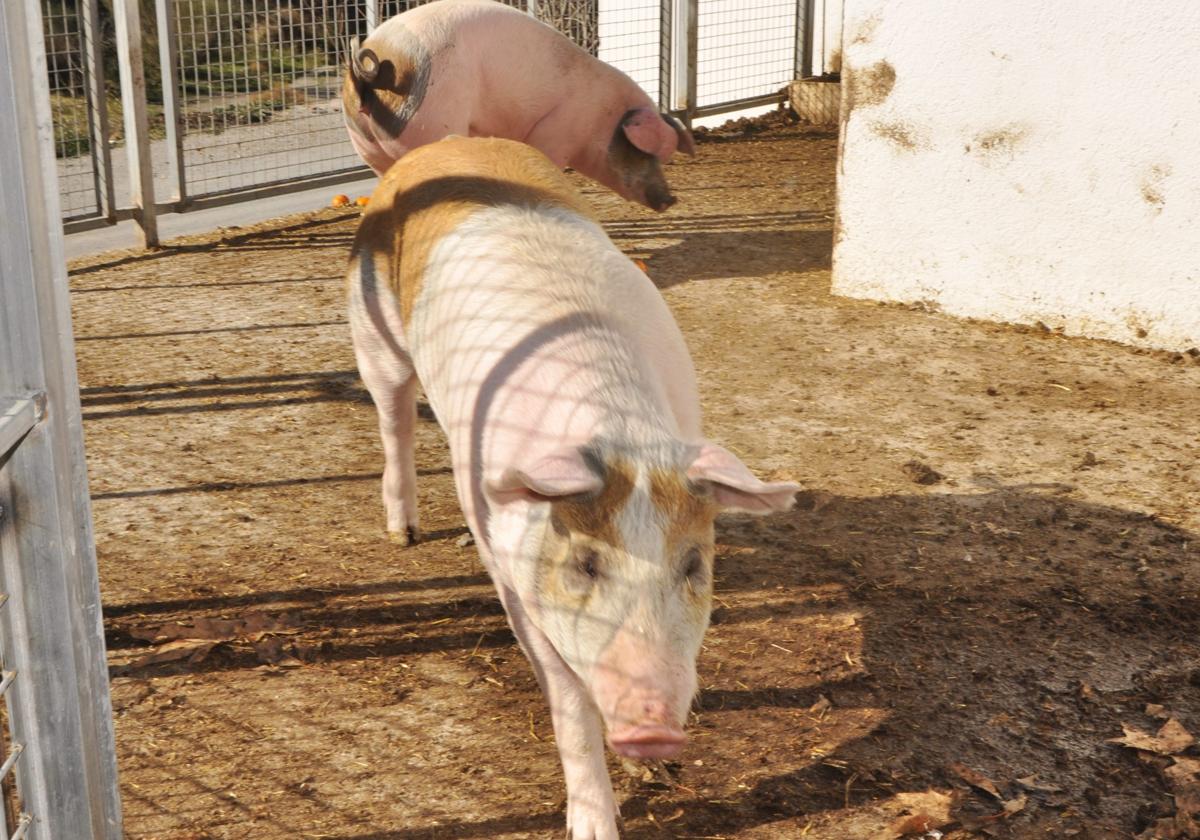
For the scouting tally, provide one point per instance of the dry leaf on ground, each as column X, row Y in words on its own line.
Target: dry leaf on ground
column 194, row 640
column 920, row 813
column 193, row 650
column 1031, row 783
column 976, row 779
column 1013, row 806
column 1183, row 772
column 1170, row 740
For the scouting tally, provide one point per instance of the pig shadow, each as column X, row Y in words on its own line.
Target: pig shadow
column 1013, row 631
column 684, row 249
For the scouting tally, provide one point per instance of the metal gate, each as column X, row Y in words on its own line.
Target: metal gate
column 252, row 93
column 745, row 52
column 59, row 738
column 71, row 31
column 250, row 89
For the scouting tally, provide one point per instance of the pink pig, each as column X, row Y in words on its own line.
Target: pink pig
column 480, row 68
column 569, row 401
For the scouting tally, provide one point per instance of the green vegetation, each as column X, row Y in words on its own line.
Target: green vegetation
column 72, row 135
column 241, row 59
column 258, row 108
column 253, row 69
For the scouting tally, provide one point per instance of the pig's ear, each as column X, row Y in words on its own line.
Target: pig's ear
column 686, row 144
column 648, row 132
column 563, row 473
column 733, row 485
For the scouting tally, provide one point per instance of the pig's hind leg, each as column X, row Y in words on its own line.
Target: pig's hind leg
column 387, row 371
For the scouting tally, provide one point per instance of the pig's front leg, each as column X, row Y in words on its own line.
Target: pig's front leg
column 578, row 730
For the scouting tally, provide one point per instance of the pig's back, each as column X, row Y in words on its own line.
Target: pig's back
column 499, row 71
column 516, row 304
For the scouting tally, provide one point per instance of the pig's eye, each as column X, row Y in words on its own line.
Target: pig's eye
column 589, row 562
column 693, row 565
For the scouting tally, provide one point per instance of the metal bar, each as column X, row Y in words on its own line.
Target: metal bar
column 22, row 827
column 51, row 631
column 168, row 59
column 137, row 129
column 372, row 15
column 6, row 679
column 693, row 53
column 665, row 32
column 95, row 44
column 805, row 15
column 17, row 417
column 682, row 53
column 17, row 749
column 97, row 107
column 739, row 104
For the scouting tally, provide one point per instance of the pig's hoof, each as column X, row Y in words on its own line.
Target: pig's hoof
column 406, row 537
column 583, row 823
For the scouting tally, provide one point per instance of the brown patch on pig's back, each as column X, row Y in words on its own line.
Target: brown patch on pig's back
column 432, row 190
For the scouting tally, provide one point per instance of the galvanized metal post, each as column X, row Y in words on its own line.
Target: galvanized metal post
column 137, row 128
column 805, row 16
column 692, row 50
column 685, row 42
column 51, row 637
column 665, row 34
column 531, row 7
column 168, row 59
column 372, row 15
column 97, row 97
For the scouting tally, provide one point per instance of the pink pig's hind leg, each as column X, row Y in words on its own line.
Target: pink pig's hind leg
column 387, row 371
column 397, row 407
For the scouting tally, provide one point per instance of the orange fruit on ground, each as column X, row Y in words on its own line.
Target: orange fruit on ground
column 361, row 201
column 340, row 200
column 641, row 264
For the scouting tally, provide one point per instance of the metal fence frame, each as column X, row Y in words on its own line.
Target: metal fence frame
column 78, row 47
column 55, row 675
column 678, row 69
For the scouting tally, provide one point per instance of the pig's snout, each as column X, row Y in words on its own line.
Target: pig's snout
column 645, row 728
column 657, row 198
column 654, row 740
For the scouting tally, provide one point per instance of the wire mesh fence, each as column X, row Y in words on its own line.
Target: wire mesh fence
column 633, row 35
column 746, row 49
column 249, row 95
column 69, row 30
column 258, row 86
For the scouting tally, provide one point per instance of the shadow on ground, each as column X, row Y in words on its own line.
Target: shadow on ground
column 1012, row 631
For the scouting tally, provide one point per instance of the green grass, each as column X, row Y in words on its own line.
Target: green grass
column 259, row 108
column 72, row 135
column 248, row 70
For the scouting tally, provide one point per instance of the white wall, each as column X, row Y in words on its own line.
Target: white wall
column 1025, row 161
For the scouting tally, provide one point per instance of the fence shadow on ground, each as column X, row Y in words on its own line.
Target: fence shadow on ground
column 1011, row 629
column 309, row 233
column 232, row 393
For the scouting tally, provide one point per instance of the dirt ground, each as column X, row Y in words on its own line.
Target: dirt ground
column 994, row 565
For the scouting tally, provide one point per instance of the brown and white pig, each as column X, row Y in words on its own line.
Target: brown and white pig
column 569, row 401
column 480, row 68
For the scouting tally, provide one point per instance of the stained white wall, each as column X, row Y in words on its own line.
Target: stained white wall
column 1025, row 161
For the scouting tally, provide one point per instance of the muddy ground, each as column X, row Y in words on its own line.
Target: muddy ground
column 993, row 567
